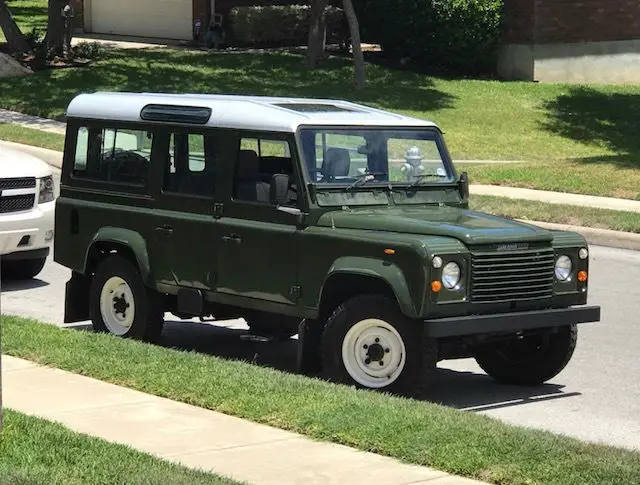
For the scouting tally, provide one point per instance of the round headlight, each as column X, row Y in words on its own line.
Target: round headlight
column 451, row 276
column 437, row 262
column 563, row 268
column 584, row 253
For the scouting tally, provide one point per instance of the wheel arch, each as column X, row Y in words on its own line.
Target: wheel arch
column 351, row 276
column 124, row 242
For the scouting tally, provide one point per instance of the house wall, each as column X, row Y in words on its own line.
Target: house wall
column 571, row 41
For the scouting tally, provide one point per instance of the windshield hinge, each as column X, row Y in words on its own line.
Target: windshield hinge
column 218, row 208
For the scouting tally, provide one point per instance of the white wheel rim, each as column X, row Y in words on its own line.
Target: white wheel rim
column 117, row 306
column 373, row 353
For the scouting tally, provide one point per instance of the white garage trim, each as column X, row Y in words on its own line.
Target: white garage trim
column 164, row 19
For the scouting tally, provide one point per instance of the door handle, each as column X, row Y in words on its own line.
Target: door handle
column 164, row 230
column 232, row 238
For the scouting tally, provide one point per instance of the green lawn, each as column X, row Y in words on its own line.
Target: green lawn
column 38, row 452
column 561, row 214
column 29, row 136
column 413, row 431
column 28, row 14
column 577, row 138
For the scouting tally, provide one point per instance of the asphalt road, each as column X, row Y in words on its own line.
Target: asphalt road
column 596, row 398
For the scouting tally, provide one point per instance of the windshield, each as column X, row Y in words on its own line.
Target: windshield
column 358, row 157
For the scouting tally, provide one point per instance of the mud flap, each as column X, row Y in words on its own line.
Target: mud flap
column 76, row 299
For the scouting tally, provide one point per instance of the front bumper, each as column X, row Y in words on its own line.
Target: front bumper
column 509, row 322
column 27, row 231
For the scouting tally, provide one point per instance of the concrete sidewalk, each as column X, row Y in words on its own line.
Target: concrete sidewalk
column 33, row 122
column 198, row 438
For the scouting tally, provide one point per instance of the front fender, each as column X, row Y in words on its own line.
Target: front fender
column 124, row 237
column 385, row 271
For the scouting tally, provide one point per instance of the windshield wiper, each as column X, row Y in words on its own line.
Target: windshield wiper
column 367, row 177
column 419, row 178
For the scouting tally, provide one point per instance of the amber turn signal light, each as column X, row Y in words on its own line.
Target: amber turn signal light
column 582, row 276
column 436, row 286
column 389, row 251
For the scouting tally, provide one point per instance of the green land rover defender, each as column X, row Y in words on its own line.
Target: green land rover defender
column 346, row 225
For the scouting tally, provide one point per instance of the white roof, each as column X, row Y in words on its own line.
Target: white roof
column 241, row 112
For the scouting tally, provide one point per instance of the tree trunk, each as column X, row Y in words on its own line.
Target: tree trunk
column 15, row 39
column 55, row 27
column 317, row 32
column 354, row 30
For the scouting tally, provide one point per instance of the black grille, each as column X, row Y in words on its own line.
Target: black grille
column 523, row 275
column 16, row 203
column 17, row 183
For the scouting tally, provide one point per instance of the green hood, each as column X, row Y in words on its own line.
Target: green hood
column 465, row 225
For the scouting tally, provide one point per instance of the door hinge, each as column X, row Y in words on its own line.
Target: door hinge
column 295, row 292
column 217, row 208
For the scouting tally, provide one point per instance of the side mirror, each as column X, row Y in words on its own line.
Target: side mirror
column 463, row 186
column 279, row 189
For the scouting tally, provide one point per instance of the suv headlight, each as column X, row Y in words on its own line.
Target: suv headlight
column 451, row 275
column 46, row 190
column 563, row 268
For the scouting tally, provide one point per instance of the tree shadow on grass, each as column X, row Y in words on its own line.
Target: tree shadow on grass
column 178, row 71
column 594, row 117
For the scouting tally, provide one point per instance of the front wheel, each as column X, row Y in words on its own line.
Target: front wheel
column 529, row 360
column 369, row 343
column 122, row 305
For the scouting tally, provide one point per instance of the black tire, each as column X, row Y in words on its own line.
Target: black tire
column 25, row 269
column 531, row 360
column 149, row 312
column 421, row 353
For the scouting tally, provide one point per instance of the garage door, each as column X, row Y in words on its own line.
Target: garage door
column 169, row 19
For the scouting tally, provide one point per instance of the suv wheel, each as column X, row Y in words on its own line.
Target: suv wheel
column 24, row 269
column 369, row 343
column 122, row 305
column 529, row 360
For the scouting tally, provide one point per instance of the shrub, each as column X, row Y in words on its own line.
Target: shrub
column 277, row 25
column 89, row 50
column 459, row 35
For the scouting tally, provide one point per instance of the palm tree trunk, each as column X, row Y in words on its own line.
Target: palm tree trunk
column 55, row 27
column 354, row 30
column 15, row 39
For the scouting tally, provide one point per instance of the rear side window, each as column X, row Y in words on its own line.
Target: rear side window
column 191, row 166
column 113, row 155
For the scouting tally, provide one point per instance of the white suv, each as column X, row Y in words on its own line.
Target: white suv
column 27, row 206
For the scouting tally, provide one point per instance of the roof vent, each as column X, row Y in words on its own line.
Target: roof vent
column 195, row 115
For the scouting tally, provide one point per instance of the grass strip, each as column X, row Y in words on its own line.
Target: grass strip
column 559, row 213
column 38, row 452
column 416, row 432
column 31, row 136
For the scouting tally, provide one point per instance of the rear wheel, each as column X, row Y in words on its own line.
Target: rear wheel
column 529, row 360
column 24, row 269
column 369, row 343
column 122, row 305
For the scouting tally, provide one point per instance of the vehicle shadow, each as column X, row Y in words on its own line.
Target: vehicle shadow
column 457, row 389
column 9, row 285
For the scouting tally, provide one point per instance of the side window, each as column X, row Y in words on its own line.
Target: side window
column 190, row 169
column 113, row 155
column 82, row 147
column 261, row 163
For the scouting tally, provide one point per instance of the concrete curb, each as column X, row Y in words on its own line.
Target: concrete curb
column 595, row 236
